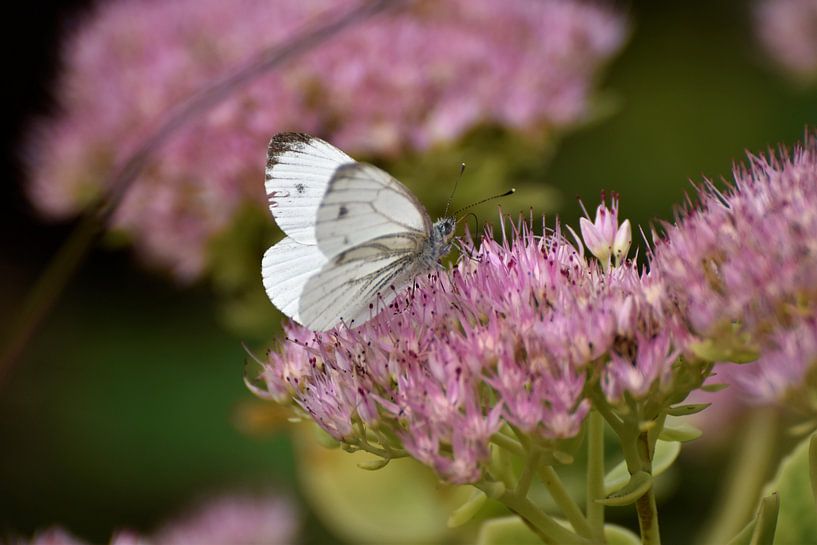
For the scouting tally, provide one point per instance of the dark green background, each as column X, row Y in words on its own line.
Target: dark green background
column 120, row 410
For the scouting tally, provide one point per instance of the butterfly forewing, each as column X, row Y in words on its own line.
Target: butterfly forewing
column 363, row 203
column 299, row 168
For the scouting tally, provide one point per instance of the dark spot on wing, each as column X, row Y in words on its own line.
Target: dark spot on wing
column 299, row 188
column 282, row 143
column 342, row 211
column 272, row 195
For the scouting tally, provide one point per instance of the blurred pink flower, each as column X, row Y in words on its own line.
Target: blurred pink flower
column 514, row 334
column 788, row 31
column 742, row 266
column 54, row 536
column 225, row 520
column 407, row 79
column 233, row 520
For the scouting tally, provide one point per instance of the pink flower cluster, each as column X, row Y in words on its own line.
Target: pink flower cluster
column 742, row 266
column 410, row 78
column 514, row 334
column 226, row 520
column 787, row 30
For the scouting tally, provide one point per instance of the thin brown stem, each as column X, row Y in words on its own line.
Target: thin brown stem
column 64, row 264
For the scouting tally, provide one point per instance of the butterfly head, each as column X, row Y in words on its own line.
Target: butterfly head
column 441, row 234
column 443, row 229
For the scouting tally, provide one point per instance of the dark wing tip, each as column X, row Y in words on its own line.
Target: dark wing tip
column 284, row 142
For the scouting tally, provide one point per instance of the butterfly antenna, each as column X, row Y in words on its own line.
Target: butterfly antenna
column 511, row 191
column 456, row 182
column 476, row 222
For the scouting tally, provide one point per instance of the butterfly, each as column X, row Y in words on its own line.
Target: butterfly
column 355, row 236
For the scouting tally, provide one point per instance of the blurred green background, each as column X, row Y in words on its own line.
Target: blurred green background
column 122, row 409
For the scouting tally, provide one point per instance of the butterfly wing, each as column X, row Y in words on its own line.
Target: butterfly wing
column 356, row 284
column 299, row 169
column 373, row 229
column 286, row 268
column 363, row 204
column 355, row 233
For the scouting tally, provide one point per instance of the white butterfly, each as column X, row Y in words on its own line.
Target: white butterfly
column 355, row 235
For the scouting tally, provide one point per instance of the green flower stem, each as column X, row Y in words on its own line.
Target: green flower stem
column 533, row 461
column 595, row 474
column 501, row 468
column 749, row 470
column 562, row 498
column 537, row 520
column 645, row 506
column 508, row 443
column 600, row 404
column 638, row 456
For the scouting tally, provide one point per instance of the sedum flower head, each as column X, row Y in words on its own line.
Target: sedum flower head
column 742, row 266
column 516, row 335
column 403, row 80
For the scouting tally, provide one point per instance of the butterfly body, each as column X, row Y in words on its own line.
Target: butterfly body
column 355, row 235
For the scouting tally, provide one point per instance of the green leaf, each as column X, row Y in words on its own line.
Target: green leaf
column 511, row 530
column 505, row 530
column 764, row 531
column 618, row 535
column 686, row 410
column 666, row 452
column 403, row 503
column 797, row 522
column 637, row 486
column 744, row 537
column 715, row 387
column 373, row 465
column 761, row 529
column 680, row 432
column 731, row 349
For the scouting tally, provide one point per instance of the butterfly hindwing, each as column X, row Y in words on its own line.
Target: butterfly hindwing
column 354, row 285
column 299, row 168
column 286, row 268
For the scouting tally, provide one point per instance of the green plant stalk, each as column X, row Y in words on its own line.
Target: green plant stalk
column 645, row 506
column 525, row 480
column 595, row 474
column 508, row 443
column 537, row 520
column 749, row 468
column 812, row 468
column 562, row 498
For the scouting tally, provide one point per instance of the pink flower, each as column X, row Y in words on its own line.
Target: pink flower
column 787, row 30
column 514, row 334
column 605, row 238
column 742, row 266
column 54, row 536
column 404, row 80
column 233, row 520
